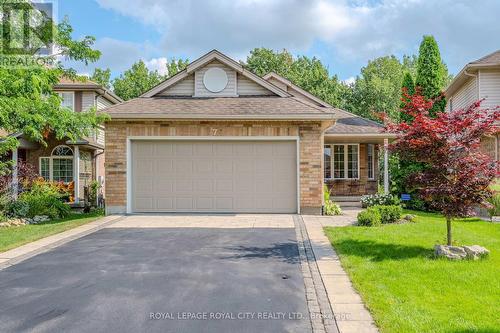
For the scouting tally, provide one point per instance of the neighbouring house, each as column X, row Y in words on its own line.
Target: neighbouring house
column 217, row 138
column 68, row 161
column 479, row 79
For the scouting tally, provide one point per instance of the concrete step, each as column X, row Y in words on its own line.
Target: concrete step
column 345, row 202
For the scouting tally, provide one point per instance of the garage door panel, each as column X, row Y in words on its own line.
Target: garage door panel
column 244, row 184
column 223, row 167
column 244, row 149
column 214, row 176
column 145, row 204
column 183, row 186
column 163, row 148
column 163, row 186
column 204, row 203
column 203, row 166
column 203, row 185
column 224, row 203
column 183, row 149
column 183, row 168
column 165, row 203
column 164, row 166
column 203, row 149
column 224, row 149
column 224, row 185
column 184, row 203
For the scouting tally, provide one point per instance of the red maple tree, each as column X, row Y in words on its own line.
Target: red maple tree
column 457, row 174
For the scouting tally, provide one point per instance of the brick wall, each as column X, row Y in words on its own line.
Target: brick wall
column 311, row 151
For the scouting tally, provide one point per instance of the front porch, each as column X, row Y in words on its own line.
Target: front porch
column 352, row 167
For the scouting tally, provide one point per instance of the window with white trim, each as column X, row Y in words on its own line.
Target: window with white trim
column 68, row 99
column 45, row 167
column 339, row 161
column 59, row 166
column 370, row 158
column 344, row 159
column 328, row 161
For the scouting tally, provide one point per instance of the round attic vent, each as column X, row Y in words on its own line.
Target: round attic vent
column 215, row 80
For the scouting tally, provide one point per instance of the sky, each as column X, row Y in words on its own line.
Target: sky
column 343, row 34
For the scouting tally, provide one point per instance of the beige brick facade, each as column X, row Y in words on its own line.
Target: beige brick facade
column 311, row 151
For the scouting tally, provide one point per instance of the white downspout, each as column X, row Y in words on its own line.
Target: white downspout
column 76, row 173
column 15, row 185
column 386, row 166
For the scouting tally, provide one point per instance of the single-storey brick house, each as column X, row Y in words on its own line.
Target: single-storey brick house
column 218, row 138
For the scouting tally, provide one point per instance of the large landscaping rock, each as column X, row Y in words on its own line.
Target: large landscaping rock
column 476, row 252
column 460, row 252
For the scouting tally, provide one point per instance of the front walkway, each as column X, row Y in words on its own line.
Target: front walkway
column 350, row 312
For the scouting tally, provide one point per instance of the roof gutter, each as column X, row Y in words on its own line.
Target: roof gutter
column 221, row 117
column 361, row 135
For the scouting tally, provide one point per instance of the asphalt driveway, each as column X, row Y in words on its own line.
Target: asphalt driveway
column 160, row 280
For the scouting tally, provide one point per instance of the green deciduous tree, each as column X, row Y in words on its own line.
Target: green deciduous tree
column 378, row 89
column 136, row 81
column 175, row 66
column 102, row 76
column 28, row 104
column 308, row 73
column 432, row 73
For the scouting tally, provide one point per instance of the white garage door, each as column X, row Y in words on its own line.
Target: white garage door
column 214, row 176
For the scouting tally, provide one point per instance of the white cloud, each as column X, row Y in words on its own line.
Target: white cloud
column 356, row 30
column 157, row 64
column 349, row 80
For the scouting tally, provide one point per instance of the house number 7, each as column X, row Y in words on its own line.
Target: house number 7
column 214, row 131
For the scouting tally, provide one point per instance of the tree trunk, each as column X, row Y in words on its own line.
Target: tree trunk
column 448, row 227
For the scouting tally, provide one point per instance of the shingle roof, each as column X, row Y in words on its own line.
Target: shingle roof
column 490, row 59
column 348, row 123
column 177, row 107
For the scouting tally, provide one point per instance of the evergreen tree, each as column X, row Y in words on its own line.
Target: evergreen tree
column 432, row 73
column 408, row 88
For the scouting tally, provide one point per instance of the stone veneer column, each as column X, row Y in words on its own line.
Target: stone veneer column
column 311, row 169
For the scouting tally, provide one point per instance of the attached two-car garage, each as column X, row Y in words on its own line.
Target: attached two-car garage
column 213, row 175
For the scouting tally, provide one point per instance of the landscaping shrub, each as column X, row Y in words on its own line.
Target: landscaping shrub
column 379, row 199
column 43, row 198
column 18, row 208
column 330, row 208
column 494, row 201
column 369, row 217
column 389, row 214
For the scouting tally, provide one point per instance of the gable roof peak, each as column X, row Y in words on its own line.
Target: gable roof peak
column 207, row 58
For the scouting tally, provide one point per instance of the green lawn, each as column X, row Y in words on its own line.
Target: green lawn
column 12, row 237
column 407, row 290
